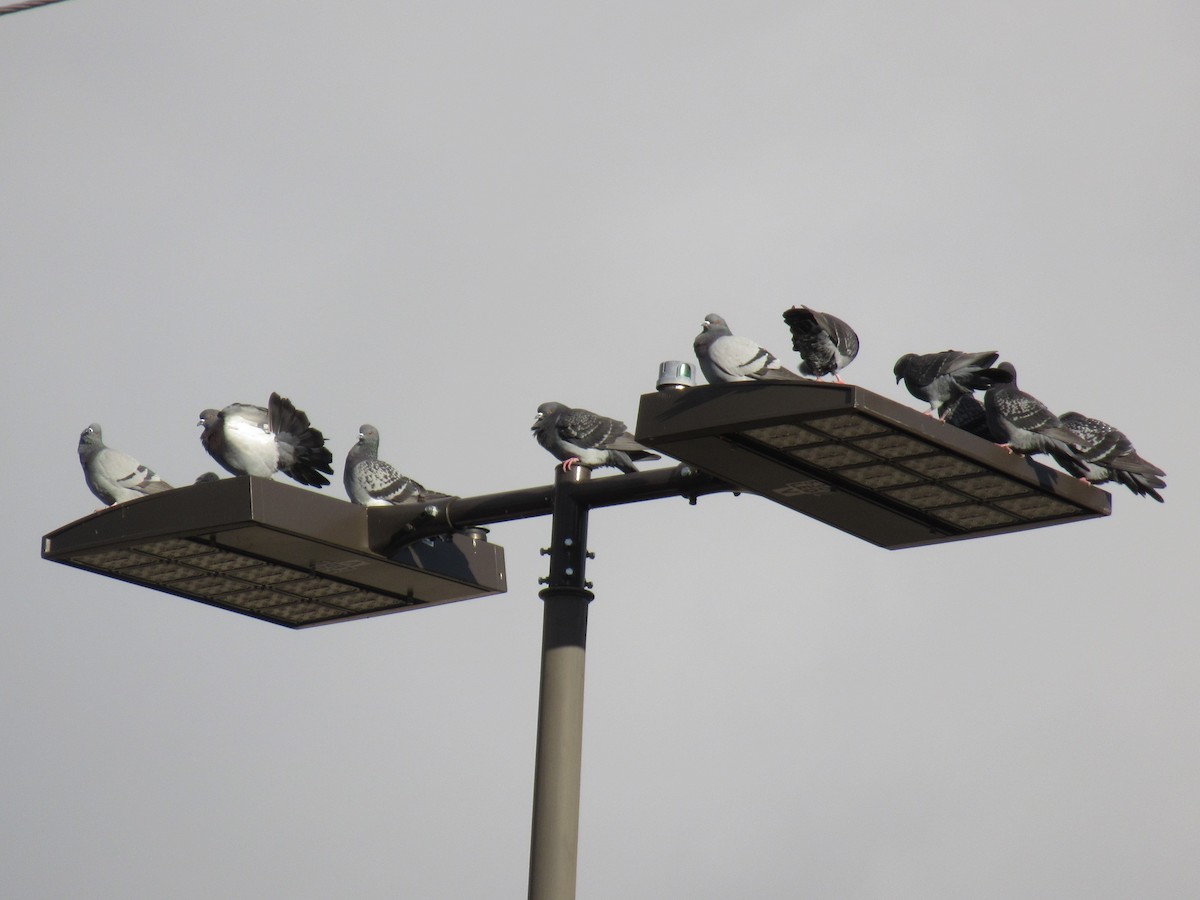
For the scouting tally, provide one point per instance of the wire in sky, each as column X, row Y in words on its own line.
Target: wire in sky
column 28, row 4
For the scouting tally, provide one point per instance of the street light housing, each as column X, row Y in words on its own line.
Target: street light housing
column 860, row 462
column 274, row 552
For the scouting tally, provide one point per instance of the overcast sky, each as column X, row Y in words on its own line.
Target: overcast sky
column 435, row 216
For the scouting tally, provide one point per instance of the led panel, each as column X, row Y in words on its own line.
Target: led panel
column 860, row 462
column 275, row 552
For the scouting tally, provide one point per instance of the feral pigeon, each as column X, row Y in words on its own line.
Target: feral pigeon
column 941, row 378
column 1020, row 422
column 111, row 475
column 1109, row 456
column 372, row 482
column 725, row 357
column 580, row 436
column 826, row 344
column 967, row 413
column 250, row 440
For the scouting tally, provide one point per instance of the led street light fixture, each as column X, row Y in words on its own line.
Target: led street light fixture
column 860, row 462
column 274, row 552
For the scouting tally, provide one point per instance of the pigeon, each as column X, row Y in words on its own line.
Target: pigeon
column 826, row 344
column 725, row 357
column 372, row 482
column 250, row 440
column 1109, row 456
column 967, row 413
column 592, row 441
column 941, row 378
column 1020, row 422
column 114, row 476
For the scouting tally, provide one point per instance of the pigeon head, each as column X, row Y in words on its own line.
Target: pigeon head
column 902, row 364
column 544, row 412
column 714, row 323
column 368, row 436
column 1009, row 369
column 209, row 418
column 90, row 438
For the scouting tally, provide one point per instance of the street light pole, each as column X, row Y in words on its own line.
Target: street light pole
column 554, row 844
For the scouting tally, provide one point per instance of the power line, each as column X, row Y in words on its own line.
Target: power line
column 29, row 4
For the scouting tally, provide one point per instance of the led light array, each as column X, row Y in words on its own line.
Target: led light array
column 861, row 451
column 268, row 590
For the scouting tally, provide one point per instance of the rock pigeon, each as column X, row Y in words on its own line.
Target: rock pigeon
column 372, row 482
column 826, row 344
column 725, row 357
column 967, row 413
column 111, row 475
column 1109, row 456
column 941, row 378
column 250, row 440
column 580, row 436
column 1021, row 422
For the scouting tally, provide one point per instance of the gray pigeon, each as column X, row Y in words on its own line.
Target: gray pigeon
column 1020, row 422
column 941, row 378
column 725, row 357
column 967, row 413
column 580, row 436
column 111, row 475
column 250, row 440
column 1109, row 456
column 826, row 344
column 372, row 482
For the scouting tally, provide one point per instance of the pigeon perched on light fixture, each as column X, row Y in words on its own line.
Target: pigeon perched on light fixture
column 251, row 440
column 578, row 436
column 941, row 378
column 1020, row 422
column 1109, row 455
column 111, row 475
column 725, row 357
column 826, row 344
column 372, row 482
column 968, row 414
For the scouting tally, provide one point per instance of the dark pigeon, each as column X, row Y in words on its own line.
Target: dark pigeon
column 826, row 344
column 579, row 436
column 372, row 482
column 1022, row 423
column 941, row 378
column 967, row 413
column 725, row 357
column 111, row 475
column 250, row 440
column 1109, row 456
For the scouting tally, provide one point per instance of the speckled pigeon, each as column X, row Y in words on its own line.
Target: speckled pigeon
column 372, row 482
column 725, row 357
column 826, row 344
column 941, row 378
column 580, row 436
column 111, row 475
column 1109, row 456
column 1020, row 422
column 250, row 440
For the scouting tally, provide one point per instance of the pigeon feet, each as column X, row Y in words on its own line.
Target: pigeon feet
column 568, row 463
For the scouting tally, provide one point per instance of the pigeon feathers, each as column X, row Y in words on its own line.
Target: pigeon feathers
column 941, row 378
column 251, row 440
column 1020, row 422
column 1108, row 455
column 370, row 481
column 825, row 343
column 114, row 476
column 583, row 437
column 725, row 357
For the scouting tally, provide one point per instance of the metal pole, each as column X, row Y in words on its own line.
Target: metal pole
column 554, row 845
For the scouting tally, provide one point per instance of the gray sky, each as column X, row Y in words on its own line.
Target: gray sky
column 435, row 216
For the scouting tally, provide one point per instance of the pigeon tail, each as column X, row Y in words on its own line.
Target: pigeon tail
column 302, row 451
